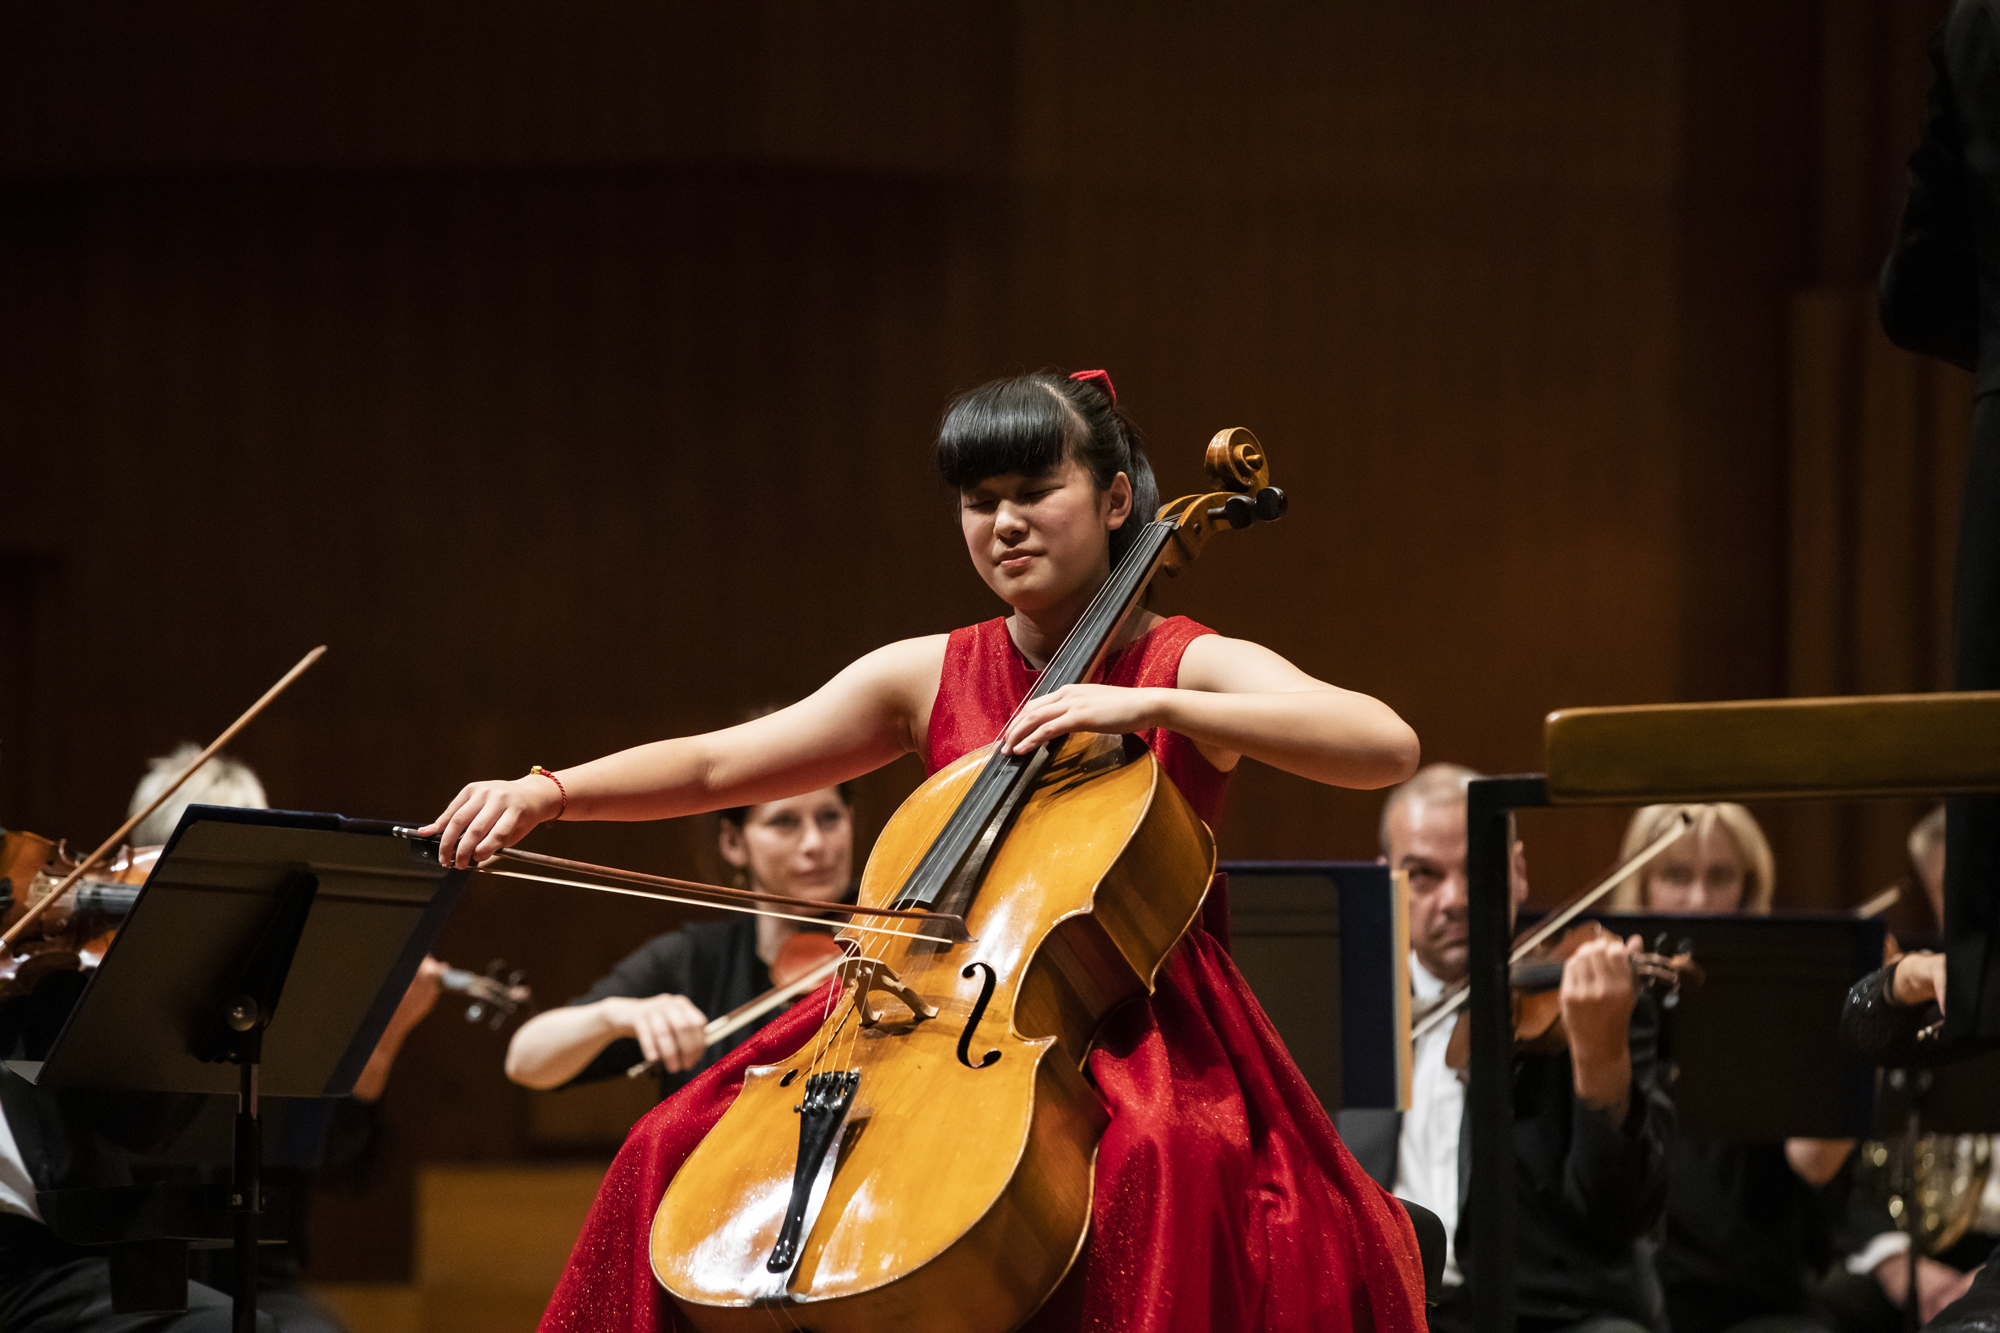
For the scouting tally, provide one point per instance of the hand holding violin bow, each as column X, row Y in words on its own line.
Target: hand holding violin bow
column 1597, row 996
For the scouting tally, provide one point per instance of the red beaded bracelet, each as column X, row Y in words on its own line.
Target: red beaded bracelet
column 559, row 787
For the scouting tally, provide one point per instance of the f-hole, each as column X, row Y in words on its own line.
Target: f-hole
column 978, row 1012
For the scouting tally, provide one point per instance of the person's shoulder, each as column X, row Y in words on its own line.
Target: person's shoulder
column 1183, row 630
column 1207, row 653
column 900, row 660
column 647, row 970
column 709, row 938
column 663, row 950
column 922, row 648
column 905, row 671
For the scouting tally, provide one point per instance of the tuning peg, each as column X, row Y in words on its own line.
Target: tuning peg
column 1270, row 504
column 1240, row 511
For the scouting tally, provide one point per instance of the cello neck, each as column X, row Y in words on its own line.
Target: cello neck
column 981, row 817
column 1084, row 647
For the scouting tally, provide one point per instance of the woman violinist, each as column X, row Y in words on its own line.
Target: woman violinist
column 1223, row 1197
column 1744, row 1229
column 652, row 1007
column 1747, row 1229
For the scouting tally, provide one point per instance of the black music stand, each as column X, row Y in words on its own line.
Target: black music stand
column 1325, row 945
column 242, row 907
column 1785, row 1075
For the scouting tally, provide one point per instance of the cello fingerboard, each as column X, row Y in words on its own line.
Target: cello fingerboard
column 956, row 858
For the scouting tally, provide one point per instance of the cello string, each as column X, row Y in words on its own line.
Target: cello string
column 839, row 1051
column 835, row 1043
column 842, row 1035
column 826, row 1040
column 1069, row 664
column 849, row 1022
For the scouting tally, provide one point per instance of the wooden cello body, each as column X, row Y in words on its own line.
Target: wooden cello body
column 925, row 1161
column 948, row 1165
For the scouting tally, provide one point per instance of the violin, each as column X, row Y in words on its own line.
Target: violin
column 32, row 905
column 926, row 1157
column 491, row 998
column 70, row 933
column 804, row 960
column 1535, row 981
column 803, row 954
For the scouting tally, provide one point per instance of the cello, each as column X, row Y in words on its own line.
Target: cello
column 925, row 1159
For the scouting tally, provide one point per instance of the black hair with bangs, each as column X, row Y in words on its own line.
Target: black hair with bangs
column 1029, row 424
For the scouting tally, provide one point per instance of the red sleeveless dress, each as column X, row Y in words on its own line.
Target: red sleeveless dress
column 1224, row 1199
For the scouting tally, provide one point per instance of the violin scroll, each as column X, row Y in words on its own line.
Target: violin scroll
column 493, row 998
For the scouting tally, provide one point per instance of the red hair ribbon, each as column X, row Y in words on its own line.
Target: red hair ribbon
column 1101, row 378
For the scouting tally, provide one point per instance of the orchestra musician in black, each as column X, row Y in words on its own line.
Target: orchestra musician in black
column 653, row 1006
column 1592, row 1124
column 1940, row 295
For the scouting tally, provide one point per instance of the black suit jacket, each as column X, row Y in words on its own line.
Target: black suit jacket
column 1589, row 1194
column 1941, row 295
column 1940, row 288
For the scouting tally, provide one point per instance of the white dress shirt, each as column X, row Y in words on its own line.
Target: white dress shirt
column 1427, row 1151
column 17, row 1187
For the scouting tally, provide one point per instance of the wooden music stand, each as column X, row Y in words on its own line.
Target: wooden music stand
column 243, row 908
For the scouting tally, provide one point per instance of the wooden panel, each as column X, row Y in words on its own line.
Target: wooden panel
column 375, row 1307
column 591, row 1116
column 1811, row 749
column 571, row 370
column 492, row 1240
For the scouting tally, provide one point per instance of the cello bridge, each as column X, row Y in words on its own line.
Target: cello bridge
column 872, row 974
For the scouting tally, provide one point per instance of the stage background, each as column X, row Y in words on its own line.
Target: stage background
column 570, row 371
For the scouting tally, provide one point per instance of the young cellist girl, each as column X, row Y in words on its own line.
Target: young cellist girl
column 1223, row 1197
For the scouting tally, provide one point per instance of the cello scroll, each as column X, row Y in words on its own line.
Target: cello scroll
column 1241, row 471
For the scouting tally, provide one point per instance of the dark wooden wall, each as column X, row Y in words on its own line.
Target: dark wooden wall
column 569, row 370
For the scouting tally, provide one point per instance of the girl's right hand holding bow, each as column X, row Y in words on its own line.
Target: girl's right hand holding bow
column 486, row 816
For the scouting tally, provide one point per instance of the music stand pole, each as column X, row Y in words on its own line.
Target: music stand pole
column 1916, row 1082
column 1912, row 1313
column 246, row 1193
